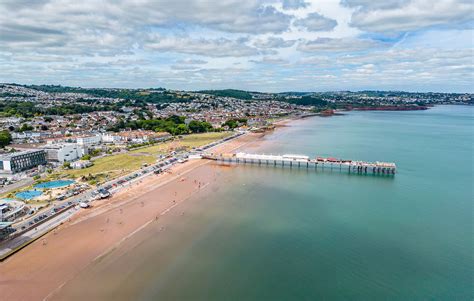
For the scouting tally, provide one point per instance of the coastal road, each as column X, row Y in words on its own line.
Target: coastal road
column 36, row 232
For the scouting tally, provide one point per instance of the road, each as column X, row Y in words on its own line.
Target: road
column 22, row 183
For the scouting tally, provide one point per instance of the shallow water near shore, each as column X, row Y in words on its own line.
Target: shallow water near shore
column 268, row 233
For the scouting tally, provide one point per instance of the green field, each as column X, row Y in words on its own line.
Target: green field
column 117, row 165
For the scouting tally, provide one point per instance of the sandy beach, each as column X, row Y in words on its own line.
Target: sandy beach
column 40, row 270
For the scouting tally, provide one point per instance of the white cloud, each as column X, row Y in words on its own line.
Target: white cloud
column 409, row 15
column 338, row 45
column 294, row 4
column 316, row 22
column 221, row 47
column 273, row 42
column 254, row 44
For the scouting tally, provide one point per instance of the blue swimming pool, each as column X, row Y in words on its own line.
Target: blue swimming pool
column 54, row 184
column 28, row 194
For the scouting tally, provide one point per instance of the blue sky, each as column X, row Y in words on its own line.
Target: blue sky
column 261, row 45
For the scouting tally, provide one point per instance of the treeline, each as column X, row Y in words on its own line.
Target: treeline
column 174, row 125
column 308, row 101
column 138, row 97
column 239, row 94
column 29, row 109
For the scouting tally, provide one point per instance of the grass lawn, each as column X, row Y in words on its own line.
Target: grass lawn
column 117, row 165
column 113, row 166
column 187, row 142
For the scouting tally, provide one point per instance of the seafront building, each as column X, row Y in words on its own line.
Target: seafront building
column 11, row 209
column 21, row 161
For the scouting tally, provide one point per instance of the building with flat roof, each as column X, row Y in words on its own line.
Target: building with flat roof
column 10, row 210
column 62, row 152
column 21, row 161
column 89, row 140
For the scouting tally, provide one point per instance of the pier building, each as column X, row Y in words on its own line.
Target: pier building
column 303, row 161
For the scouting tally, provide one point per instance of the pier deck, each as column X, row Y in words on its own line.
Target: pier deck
column 302, row 161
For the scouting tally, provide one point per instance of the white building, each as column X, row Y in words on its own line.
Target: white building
column 89, row 140
column 62, row 152
column 111, row 138
column 25, row 135
column 10, row 210
column 81, row 164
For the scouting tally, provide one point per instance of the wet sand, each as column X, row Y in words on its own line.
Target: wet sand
column 41, row 269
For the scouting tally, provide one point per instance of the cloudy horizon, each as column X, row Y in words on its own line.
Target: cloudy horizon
column 258, row 45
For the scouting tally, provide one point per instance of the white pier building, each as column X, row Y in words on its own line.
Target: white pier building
column 303, row 161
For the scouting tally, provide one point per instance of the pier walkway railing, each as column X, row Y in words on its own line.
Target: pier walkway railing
column 302, row 161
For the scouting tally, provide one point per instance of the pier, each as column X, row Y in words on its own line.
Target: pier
column 302, row 161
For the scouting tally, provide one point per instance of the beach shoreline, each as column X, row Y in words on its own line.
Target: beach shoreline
column 41, row 269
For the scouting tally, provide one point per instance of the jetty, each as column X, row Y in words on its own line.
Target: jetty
column 303, row 161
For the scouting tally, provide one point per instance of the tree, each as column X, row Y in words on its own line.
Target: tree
column 25, row 127
column 199, row 126
column 5, row 138
column 182, row 129
column 67, row 164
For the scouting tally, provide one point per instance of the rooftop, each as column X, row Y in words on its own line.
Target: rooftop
column 8, row 156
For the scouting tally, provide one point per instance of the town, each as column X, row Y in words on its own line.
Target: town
column 63, row 147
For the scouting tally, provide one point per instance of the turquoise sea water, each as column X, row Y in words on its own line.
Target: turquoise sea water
column 54, row 184
column 280, row 234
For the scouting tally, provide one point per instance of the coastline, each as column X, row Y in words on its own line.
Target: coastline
column 91, row 234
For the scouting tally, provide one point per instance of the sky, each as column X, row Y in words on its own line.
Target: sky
column 257, row 45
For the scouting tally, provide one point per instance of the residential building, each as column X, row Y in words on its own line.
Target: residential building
column 110, row 138
column 89, row 140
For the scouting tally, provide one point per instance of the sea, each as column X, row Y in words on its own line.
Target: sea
column 272, row 233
